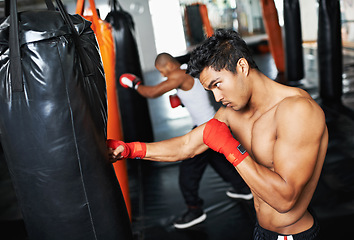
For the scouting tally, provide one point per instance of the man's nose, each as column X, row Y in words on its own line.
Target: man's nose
column 217, row 96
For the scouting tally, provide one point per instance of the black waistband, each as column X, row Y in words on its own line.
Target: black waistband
column 264, row 234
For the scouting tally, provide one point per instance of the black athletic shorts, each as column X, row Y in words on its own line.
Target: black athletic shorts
column 264, row 234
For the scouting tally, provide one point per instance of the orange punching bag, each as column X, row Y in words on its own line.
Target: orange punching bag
column 205, row 19
column 271, row 23
column 103, row 32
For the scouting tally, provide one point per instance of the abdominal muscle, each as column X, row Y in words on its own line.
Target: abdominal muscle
column 295, row 221
column 298, row 219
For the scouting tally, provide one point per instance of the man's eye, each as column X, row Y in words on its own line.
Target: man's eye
column 217, row 85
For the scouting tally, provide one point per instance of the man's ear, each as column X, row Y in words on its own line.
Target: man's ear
column 169, row 66
column 243, row 67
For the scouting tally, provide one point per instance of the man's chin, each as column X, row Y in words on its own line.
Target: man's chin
column 235, row 108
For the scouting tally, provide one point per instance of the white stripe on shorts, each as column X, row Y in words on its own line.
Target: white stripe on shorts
column 290, row 237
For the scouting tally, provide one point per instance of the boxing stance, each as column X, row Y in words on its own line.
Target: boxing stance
column 278, row 142
column 193, row 96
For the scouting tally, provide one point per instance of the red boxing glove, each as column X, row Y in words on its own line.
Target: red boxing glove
column 218, row 137
column 131, row 150
column 175, row 101
column 128, row 80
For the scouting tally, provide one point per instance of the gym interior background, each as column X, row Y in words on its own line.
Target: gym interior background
column 160, row 26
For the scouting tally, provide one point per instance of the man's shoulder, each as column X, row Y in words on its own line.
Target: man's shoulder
column 290, row 97
column 230, row 116
column 300, row 107
column 297, row 101
column 179, row 74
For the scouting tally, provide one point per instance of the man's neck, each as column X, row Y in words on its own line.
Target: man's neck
column 264, row 95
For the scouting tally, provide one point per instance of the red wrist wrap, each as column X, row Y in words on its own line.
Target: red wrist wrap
column 237, row 156
column 219, row 138
column 131, row 150
column 137, row 150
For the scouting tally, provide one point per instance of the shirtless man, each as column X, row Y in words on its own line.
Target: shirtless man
column 282, row 129
column 196, row 100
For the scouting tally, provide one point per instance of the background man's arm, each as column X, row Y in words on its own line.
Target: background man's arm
column 159, row 89
column 128, row 80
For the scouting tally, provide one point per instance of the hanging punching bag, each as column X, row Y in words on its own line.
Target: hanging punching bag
column 194, row 24
column 294, row 69
column 103, row 32
column 275, row 39
column 134, row 109
column 209, row 31
column 9, row 209
column 53, row 127
column 330, row 51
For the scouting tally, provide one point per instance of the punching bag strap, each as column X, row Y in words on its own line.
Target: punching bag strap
column 7, row 8
column 86, row 65
column 14, row 45
column 15, row 56
column 80, row 7
column 50, row 5
column 114, row 4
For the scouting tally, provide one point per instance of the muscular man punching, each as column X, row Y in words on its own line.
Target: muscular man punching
column 193, row 96
column 278, row 142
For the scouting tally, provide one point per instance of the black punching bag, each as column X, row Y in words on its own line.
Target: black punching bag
column 53, row 127
column 9, row 209
column 135, row 116
column 195, row 24
column 294, row 69
column 330, row 51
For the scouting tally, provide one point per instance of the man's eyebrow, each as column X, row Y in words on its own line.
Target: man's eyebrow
column 212, row 82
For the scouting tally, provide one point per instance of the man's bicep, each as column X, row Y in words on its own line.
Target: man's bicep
column 295, row 161
column 194, row 140
column 177, row 148
column 297, row 145
column 222, row 115
column 170, row 83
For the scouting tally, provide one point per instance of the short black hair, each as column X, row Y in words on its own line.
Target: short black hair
column 163, row 58
column 221, row 51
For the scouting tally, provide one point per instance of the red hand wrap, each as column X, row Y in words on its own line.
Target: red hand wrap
column 137, row 150
column 219, row 138
column 131, row 150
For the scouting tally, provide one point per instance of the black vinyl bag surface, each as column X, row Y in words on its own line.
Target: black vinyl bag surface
column 9, row 209
column 195, row 24
column 329, row 49
column 294, row 69
column 53, row 127
column 134, row 110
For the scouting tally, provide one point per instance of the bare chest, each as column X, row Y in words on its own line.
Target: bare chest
column 259, row 135
column 263, row 138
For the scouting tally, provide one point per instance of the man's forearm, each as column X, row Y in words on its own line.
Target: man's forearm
column 171, row 150
column 146, row 91
column 174, row 149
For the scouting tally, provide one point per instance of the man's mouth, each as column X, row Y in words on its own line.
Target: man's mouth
column 227, row 104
